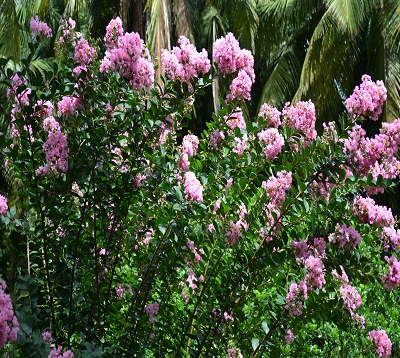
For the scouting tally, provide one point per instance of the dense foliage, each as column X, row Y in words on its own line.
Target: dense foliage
column 142, row 241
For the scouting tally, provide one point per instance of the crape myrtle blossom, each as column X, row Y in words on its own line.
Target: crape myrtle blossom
column 271, row 116
column 8, row 321
column 382, row 343
column 273, row 142
column 289, row 337
column 231, row 59
column 68, row 105
column 56, row 353
column 346, row 237
column 55, row 148
column 184, row 63
column 114, row 31
column 235, row 119
column 392, row 279
column 390, row 238
column 234, row 353
column 375, row 155
column 297, row 293
column 369, row 213
column 131, row 59
column 302, row 118
column 302, row 250
column 3, row 205
column 367, row 100
column 192, row 187
column 40, row 28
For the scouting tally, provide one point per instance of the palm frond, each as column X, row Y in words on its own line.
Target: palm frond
column 350, row 14
column 283, row 80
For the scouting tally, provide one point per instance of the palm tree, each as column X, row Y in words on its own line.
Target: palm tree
column 319, row 50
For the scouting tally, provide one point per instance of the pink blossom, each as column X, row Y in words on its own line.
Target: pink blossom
column 235, row 119
column 382, row 343
column 273, row 142
column 240, row 145
column 68, row 105
column 302, row 118
column 271, row 115
column 316, row 272
column 216, row 138
column 392, row 279
column 184, row 63
column 234, row 353
column 193, row 188
column 152, row 311
column 40, row 28
column 369, row 213
column 114, row 31
column 390, row 238
column 346, row 237
column 9, row 325
column 351, row 298
column 342, row 279
column 297, row 292
column 132, row 60
column 47, row 337
column 3, row 205
column 276, row 187
column 55, row 148
column 289, row 337
column 84, row 53
column 190, row 144
column 367, row 100
column 240, row 87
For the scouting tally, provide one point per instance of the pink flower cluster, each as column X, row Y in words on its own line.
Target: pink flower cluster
column 68, row 105
column 369, row 213
column 302, row 118
column 302, row 250
column 152, row 311
column 55, row 148
column 392, row 279
column 272, row 140
column 390, row 238
column 84, row 53
column 129, row 57
column 3, row 205
column 367, row 100
column 297, row 292
column 56, row 353
column 114, row 31
column 276, row 187
column 235, row 231
column 193, row 188
column 375, row 155
column 235, row 119
column 184, row 63
column 8, row 321
column 351, row 298
column 240, row 145
column 40, row 28
column 230, row 58
column 289, row 337
column 316, row 272
column 346, row 237
column 271, row 115
column 234, row 353
column 190, row 144
column 382, row 343
column 216, row 138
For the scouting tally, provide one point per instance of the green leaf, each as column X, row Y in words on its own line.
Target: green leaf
column 255, row 343
column 265, row 327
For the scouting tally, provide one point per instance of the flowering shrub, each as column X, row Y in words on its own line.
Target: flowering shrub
column 223, row 244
